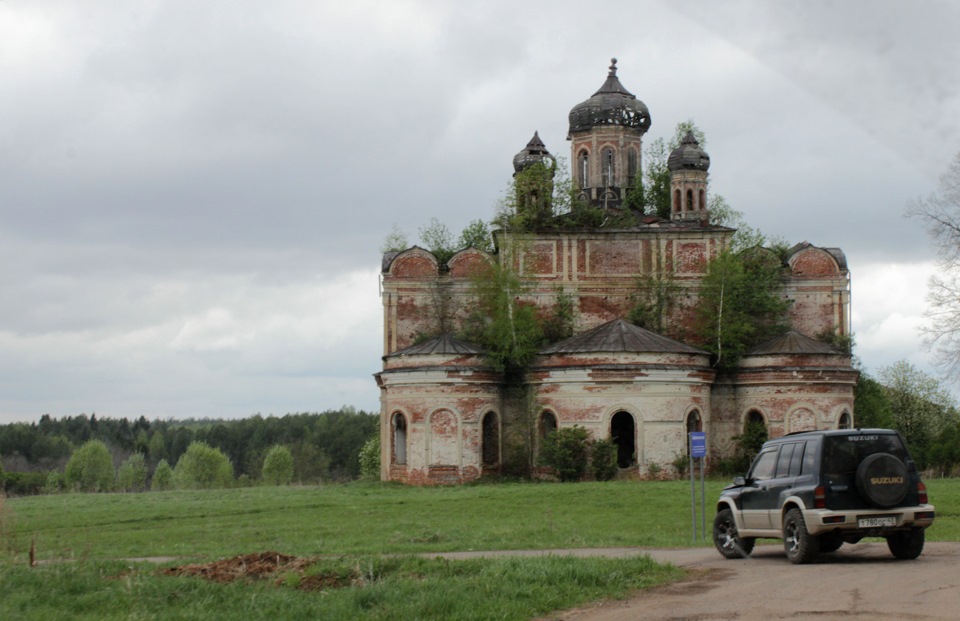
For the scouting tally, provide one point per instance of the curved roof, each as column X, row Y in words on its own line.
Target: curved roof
column 534, row 153
column 792, row 342
column 689, row 155
column 612, row 104
column 445, row 344
column 620, row 336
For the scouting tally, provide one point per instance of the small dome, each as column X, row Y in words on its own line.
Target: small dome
column 689, row 155
column 534, row 153
column 611, row 105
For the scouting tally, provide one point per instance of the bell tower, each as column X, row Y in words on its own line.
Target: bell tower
column 688, row 166
column 606, row 142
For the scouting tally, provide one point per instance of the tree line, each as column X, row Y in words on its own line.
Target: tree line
column 324, row 446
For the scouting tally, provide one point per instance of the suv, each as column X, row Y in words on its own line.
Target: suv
column 819, row 489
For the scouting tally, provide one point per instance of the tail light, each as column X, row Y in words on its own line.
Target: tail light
column 820, row 498
column 922, row 493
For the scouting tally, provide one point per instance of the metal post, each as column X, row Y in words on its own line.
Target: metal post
column 703, row 502
column 693, row 496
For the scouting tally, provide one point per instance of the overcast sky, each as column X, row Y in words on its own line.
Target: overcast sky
column 193, row 195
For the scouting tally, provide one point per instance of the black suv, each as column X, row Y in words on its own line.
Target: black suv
column 819, row 489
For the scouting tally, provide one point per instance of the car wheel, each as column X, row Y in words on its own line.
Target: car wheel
column 906, row 545
column 882, row 480
column 830, row 542
column 800, row 546
column 726, row 538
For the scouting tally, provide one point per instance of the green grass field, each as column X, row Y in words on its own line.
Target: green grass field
column 352, row 526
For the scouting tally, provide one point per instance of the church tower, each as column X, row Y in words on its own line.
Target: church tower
column 688, row 166
column 606, row 134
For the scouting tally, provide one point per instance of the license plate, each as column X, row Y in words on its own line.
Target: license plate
column 876, row 522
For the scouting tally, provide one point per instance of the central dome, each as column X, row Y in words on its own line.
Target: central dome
column 612, row 104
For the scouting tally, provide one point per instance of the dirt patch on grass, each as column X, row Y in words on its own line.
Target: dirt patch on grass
column 281, row 569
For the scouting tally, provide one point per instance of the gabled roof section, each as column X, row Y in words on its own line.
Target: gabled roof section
column 445, row 344
column 793, row 343
column 620, row 336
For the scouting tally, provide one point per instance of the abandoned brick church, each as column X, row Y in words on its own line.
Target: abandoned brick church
column 447, row 416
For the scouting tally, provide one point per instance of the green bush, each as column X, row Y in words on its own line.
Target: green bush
column 370, row 458
column 132, row 474
column 566, row 451
column 203, row 467
column 162, row 477
column 54, row 482
column 24, row 483
column 90, row 468
column 278, row 465
column 603, row 459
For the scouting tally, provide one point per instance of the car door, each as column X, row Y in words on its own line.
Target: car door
column 754, row 496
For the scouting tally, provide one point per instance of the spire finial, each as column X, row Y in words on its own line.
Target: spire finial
column 613, row 68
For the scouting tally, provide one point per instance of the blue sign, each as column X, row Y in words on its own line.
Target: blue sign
column 698, row 444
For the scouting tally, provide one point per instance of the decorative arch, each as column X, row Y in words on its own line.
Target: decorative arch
column 398, row 439
column 443, row 437
column 845, row 421
column 689, row 204
column 490, row 439
column 676, row 201
column 801, row 418
column 702, row 201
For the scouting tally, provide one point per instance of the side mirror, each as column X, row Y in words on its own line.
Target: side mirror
column 739, row 481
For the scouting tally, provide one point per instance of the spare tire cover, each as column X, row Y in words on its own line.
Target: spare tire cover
column 882, row 479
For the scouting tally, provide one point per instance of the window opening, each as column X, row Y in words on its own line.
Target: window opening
column 623, row 432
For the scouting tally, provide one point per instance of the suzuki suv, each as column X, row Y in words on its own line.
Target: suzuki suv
column 817, row 490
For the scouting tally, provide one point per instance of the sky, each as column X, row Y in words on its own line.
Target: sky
column 193, row 195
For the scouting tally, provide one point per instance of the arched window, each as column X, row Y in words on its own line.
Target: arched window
column 583, row 174
column 548, row 424
column 676, row 201
column 845, row 422
column 399, row 453
column 623, row 432
column 631, row 167
column 689, row 205
column 694, row 423
column 490, row 441
column 702, row 203
column 608, row 167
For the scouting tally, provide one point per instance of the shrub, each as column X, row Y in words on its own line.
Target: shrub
column 132, row 474
column 162, row 477
column 370, row 458
column 203, row 467
column 90, row 468
column 54, row 483
column 565, row 450
column 25, row 483
column 278, row 465
column 603, row 459
column 681, row 463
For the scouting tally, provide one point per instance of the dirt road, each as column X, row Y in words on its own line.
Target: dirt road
column 861, row 580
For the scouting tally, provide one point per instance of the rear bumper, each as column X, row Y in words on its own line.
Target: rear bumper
column 819, row 521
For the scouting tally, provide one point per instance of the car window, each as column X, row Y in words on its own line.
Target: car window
column 765, row 466
column 783, row 462
column 797, row 460
column 809, row 457
column 842, row 454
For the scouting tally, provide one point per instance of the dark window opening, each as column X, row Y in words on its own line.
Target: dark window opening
column 583, row 175
column 399, row 439
column 623, row 432
column 490, row 442
column 845, row 421
column 548, row 424
column 631, row 167
column 694, row 423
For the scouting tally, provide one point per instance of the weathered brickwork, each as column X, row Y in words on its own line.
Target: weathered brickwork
column 447, row 417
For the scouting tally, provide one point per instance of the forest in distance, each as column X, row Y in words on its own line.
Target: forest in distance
column 324, row 445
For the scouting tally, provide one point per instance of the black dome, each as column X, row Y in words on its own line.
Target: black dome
column 689, row 155
column 534, row 153
column 611, row 105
